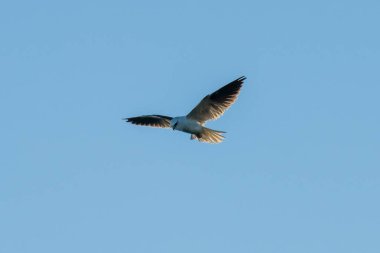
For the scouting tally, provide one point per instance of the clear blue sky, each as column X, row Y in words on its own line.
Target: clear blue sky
column 299, row 170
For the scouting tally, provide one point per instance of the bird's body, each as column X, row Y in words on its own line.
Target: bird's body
column 186, row 125
column 196, row 130
column 211, row 107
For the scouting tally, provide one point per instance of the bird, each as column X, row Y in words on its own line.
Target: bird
column 211, row 107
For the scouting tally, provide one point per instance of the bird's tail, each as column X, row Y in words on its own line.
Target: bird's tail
column 208, row 135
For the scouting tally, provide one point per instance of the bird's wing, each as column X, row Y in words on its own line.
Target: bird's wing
column 151, row 120
column 215, row 104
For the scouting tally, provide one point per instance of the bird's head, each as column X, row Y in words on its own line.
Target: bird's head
column 173, row 123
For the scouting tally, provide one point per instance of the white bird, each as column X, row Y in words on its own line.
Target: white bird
column 211, row 107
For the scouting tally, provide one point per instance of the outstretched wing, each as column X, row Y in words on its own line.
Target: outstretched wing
column 151, row 120
column 214, row 105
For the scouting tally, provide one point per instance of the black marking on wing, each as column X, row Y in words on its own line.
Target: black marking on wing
column 151, row 120
column 228, row 93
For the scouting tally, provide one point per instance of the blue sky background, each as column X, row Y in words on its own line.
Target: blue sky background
column 299, row 170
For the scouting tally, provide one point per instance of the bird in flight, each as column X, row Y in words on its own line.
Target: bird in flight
column 211, row 107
